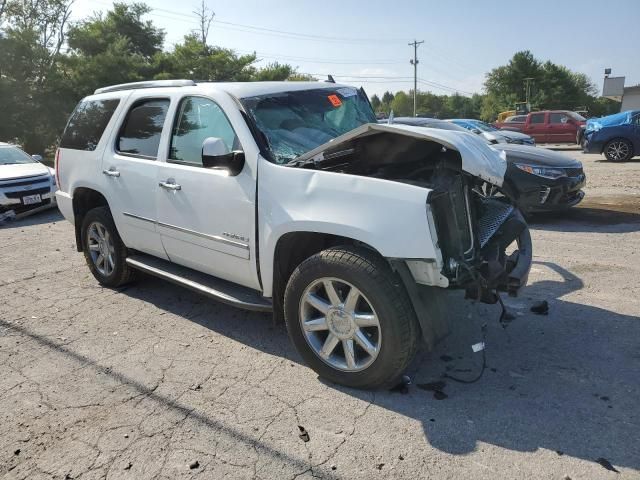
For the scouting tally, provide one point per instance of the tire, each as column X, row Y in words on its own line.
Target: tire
column 98, row 225
column 382, row 299
column 618, row 150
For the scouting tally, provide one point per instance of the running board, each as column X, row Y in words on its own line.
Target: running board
column 215, row 288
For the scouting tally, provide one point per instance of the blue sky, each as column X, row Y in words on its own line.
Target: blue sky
column 366, row 43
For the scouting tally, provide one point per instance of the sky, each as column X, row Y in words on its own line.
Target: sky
column 366, row 43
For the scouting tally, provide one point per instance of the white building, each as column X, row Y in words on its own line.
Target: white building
column 614, row 89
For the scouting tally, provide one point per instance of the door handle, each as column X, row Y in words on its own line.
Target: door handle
column 170, row 186
column 111, row 172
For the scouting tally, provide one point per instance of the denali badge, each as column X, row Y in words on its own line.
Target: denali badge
column 235, row 236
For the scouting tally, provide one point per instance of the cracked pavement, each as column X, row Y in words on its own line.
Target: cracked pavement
column 144, row 381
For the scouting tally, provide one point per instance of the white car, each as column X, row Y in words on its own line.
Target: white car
column 26, row 185
column 287, row 197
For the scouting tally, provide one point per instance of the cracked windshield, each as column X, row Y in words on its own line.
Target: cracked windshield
column 298, row 121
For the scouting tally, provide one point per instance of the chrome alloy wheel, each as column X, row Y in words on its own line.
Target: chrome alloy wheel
column 618, row 150
column 101, row 248
column 340, row 324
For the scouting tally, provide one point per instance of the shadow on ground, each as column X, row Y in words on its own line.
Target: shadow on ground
column 611, row 214
column 566, row 382
column 40, row 218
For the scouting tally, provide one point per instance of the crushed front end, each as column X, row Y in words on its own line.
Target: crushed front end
column 484, row 240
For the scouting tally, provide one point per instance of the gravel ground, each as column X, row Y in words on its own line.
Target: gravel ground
column 152, row 381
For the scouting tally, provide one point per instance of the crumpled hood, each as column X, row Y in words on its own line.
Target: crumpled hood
column 537, row 156
column 20, row 170
column 478, row 158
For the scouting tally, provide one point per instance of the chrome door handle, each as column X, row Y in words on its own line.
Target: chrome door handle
column 111, row 173
column 170, row 186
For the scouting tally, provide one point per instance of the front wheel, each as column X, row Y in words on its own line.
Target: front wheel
column 618, row 150
column 350, row 318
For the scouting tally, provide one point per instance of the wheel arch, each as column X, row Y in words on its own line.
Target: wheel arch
column 291, row 249
column 85, row 199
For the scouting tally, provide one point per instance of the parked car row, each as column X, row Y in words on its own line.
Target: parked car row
column 26, row 185
column 549, row 126
column 538, row 179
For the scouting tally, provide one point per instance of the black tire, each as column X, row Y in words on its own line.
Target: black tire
column 617, row 144
column 399, row 328
column 121, row 273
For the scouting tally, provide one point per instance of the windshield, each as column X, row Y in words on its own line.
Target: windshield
column 13, row 155
column 298, row 121
column 576, row 116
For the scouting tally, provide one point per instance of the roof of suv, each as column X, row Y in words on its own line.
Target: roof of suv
column 237, row 89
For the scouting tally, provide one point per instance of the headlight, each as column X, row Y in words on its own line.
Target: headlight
column 545, row 172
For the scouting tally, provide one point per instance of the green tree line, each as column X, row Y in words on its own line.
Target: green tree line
column 552, row 87
column 47, row 63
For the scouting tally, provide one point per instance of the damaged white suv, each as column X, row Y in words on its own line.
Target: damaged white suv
column 288, row 197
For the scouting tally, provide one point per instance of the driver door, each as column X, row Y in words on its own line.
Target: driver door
column 206, row 218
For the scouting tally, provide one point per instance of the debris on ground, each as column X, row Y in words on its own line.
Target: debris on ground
column 195, row 386
column 193, row 465
column 304, row 435
column 436, row 388
column 379, row 466
column 540, row 308
column 440, row 395
column 607, row 464
column 128, row 466
column 402, row 386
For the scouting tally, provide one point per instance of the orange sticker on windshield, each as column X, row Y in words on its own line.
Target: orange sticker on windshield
column 335, row 101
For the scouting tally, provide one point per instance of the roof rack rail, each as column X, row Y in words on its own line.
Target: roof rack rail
column 148, row 84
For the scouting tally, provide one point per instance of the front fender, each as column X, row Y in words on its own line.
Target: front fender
column 389, row 216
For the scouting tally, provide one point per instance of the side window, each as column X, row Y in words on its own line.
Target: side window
column 636, row 120
column 141, row 130
column 87, row 124
column 197, row 119
column 558, row 118
column 537, row 118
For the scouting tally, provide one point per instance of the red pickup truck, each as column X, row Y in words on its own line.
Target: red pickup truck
column 549, row 126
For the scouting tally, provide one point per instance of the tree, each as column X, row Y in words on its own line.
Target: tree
column 30, row 82
column 402, row 104
column 376, row 103
column 114, row 48
column 191, row 59
column 205, row 17
column 551, row 86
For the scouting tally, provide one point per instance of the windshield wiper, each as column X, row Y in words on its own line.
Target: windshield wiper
column 322, row 159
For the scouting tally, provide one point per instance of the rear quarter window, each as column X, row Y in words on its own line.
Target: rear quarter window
column 87, row 124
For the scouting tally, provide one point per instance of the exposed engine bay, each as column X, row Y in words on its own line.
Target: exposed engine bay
column 480, row 233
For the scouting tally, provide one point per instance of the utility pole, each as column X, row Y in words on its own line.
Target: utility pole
column 527, row 89
column 414, row 62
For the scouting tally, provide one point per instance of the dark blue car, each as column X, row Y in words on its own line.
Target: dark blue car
column 617, row 136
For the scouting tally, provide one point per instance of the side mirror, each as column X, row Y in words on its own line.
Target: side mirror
column 37, row 158
column 476, row 131
column 216, row 154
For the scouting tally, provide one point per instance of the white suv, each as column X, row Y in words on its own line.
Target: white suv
column 289, row 197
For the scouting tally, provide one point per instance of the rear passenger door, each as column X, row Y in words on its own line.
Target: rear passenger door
column 537, row 127
column 206, row 218
column 129, row 171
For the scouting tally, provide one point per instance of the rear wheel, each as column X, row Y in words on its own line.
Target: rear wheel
column 103, row 249
column 618, row 150
column 350, row 319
